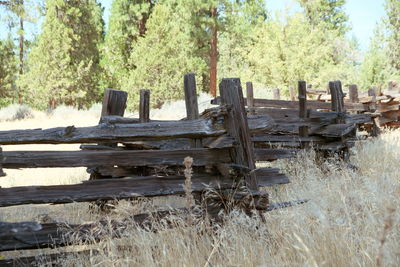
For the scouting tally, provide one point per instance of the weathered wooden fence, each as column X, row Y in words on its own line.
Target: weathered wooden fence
column 328, row 127
column 384, row 106
column 148, row 157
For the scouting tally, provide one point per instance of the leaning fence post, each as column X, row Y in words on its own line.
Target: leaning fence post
column 303, row 130
column 192, row 107
column 144, row 106
column 250, row 97
column 276, row 93
column 353, row 93
column 237, row 126
column 1, row 160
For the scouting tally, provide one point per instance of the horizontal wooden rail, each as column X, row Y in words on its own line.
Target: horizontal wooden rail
column 113, row 133
column 126, row 188
column 295, row 104
column 87, row 158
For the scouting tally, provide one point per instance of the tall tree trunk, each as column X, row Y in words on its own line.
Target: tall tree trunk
column 21, row 48
column 213, row 53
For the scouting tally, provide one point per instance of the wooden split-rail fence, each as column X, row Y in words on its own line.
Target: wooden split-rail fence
column 384, row 106
column 327, row 127
column 128, row 158
column 147, row 156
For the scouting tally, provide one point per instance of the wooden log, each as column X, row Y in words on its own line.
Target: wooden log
column 303, row 130
column 295, row 104
column 273, row 154
column 2, row 173
column 353, row 93
column 276, row 93
column 113, row 133
column 250, row 97
column 52, row 235
column 114, row 102
column 88, row 158
column 109, row 189
column 52, row 259
column 271, row 176
column 144, row 106
column 237, row 126
column 55, row 235
column 192, row 107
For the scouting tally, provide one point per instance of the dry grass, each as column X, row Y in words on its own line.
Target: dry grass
column 351, row 220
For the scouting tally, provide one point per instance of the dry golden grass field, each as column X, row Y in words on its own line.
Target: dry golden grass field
column 352, row 218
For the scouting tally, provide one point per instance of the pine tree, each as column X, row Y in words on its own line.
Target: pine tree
column 289, row 49
column 375, row 68
column 393, row 25
column 127, row 23
column 8, row 72
column 64, row 65
column 327, row 13
column 163, row 55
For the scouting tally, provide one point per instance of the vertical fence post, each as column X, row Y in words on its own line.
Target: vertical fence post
column 337, row 99
column 1, row 161
column 250, row 97
column 353, row 93
column 114, row 102
column 192, row 107
column 144, row 106
column 237, row 126
column 292, row 94
column 303, row 130
column 276, row 93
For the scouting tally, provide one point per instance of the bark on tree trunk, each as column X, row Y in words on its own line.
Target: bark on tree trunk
column 21, row 50
column 213, row 54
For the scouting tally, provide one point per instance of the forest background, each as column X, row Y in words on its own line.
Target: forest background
column 152, row 43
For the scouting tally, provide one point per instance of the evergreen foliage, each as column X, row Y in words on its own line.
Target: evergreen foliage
column 8, row 72
column 327, row 13
column 127, row 23
column 64, row 65
column 163, row 55
column 393, row 26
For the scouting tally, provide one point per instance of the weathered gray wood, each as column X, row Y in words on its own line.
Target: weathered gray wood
column 144, row 106
column 271, row 176
column 58, row 235
column 295, row 104
column 2, row 173
column 273, row 154
column 276, row 93
column 53, row 259
column 109, row 189
column 353, row 93
column 88, row 158
column 337, row 99
column 303, row 130
column 192, row 107
column 250, row 97
column 114, row 102
column 113, row 133
column 237, row 126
